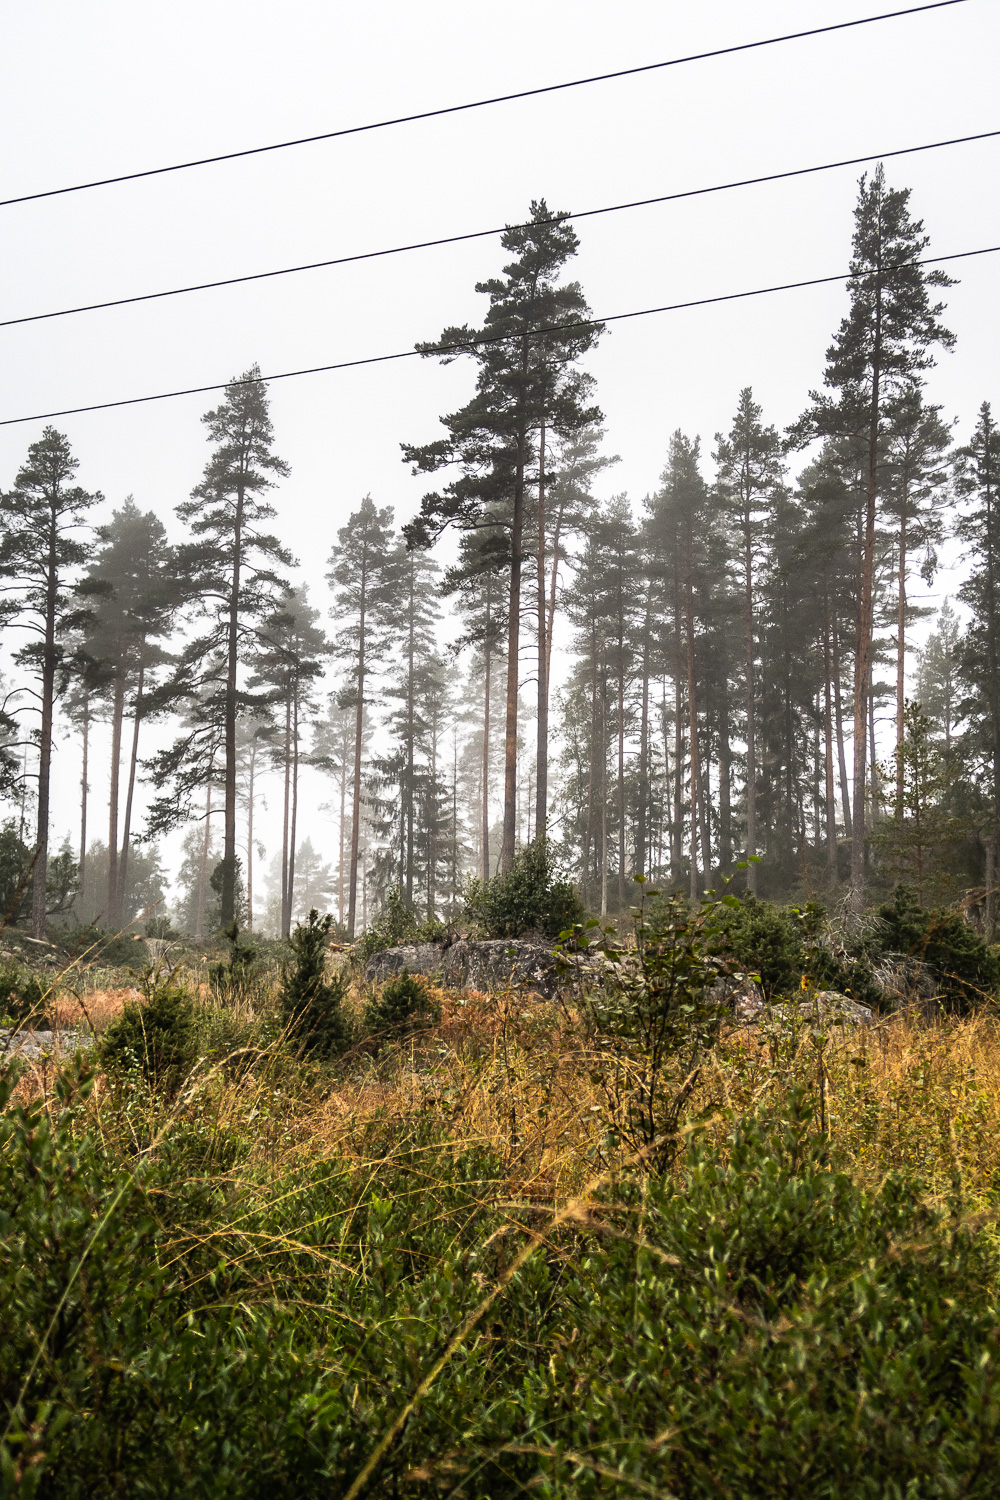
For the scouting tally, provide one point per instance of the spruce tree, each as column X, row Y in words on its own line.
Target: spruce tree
column 41, row 551
column 528, row 390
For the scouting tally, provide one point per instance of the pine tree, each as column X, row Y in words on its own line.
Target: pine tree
column 875, row 363
column 41, row 550
column 231, row 572
column 365, row 570
column 914, row 842
column 527, row 391
column 938, row 674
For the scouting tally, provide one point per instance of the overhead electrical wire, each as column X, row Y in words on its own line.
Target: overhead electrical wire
column 480, row 234
column 469, row 345
column 454, row 109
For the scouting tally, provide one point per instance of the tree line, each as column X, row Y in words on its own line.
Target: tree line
column 733, row 640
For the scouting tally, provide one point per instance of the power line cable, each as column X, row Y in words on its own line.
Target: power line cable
column 480, row 234
column 454, row 109
column 468, row 346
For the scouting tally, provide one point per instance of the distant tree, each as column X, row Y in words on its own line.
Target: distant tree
column 133, row 593
column 144, row 887
column 875, row 364
column 288, row 664
column 197, row 908
column 914, row 842
column 365, row 572
column 978, row 482
column 528, row 391
column 750, row 473
column 231, row 574
column 332, row 754
column 41, row 550
column 938, row 679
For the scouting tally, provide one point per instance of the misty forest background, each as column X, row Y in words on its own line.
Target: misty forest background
column 720, row 678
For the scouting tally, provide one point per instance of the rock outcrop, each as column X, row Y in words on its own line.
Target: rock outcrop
column 32, row 1045
column 491, row 965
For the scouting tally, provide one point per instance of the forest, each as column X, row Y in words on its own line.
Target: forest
column 726, row 674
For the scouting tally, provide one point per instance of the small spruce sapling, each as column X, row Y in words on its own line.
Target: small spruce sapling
column 310, row 1003
column 401, row 1006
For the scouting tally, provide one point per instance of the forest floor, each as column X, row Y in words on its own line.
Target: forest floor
column 442, row 1266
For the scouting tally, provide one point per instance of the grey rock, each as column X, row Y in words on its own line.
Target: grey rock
column 825, row 1009
column 491, row 965
column 32, row 1045
column 740, row 995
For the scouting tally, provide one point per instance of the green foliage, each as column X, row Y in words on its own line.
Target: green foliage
column 230, row 977
column 23, row 998
column 401, row 1006
column 96, row 944
column 526, row 899
column 311, row 1004
column 753, row 1324
column 967, row 970
column 396, row 924
column 654, row 1018
column 16, row 862
column 156, row 1037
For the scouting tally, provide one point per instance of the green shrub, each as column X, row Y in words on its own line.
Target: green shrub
column 528, row 898
column 232, row 977
column 966, row 968
column 156, row 1037
column 99, row 945
column 23, row 997
column 400, row 1007
column 312, row 1005
column 396, row 924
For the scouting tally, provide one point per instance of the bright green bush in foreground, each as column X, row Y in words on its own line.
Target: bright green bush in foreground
column 753, row 1325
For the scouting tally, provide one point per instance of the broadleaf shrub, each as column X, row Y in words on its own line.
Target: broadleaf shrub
column 528, row 898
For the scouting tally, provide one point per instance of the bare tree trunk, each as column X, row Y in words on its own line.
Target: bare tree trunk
column 293, row 834
column 542, row 711
column 352, row 889
column 487, row 689
column 342, row 831
column 901, row 658
column 251, row 793
column 39, row 893
column 199, row 921
column 841, row 755
column 117, row 724
column 232, row 665
column 642, row 820
column 133, row 764
column 286, row 909
column 750, row 654
column 831, row 800
column 84, row 790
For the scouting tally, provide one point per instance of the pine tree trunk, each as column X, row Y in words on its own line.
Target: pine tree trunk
column 117, row 725
column 232, row 665
column 293, row 832
column 39, row 893
column 202, row 897
column 841, row 754
column 620, row 789
column 352, row 889
column 133, row 764
column 542, row 712
column 286, row 808
column 901, row 659
column 408, row 792
column 84, row 790
column 341, row 833
column 748, row 630
column 487, row 689
column 642, row 819
column 251, row 793
column 831, row 800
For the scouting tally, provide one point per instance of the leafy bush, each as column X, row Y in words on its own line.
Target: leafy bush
column 967, row 969
column 401, row 1005
column 396, row 924
column 311, row 1004
column 22, row 995
column 528, row 898
column 783, row 943
column 231, row 977
column 156, row 1036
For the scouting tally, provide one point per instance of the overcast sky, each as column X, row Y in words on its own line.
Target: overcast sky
column 91, row 90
